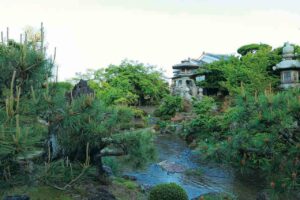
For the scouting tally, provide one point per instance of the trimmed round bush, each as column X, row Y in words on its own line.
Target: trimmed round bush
column 168, row 191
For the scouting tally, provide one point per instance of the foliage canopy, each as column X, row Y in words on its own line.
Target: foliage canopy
column 130, row 83
column 253, row 71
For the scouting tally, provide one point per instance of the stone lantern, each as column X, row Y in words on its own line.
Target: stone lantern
column 289, row 67
column 186, row 75
column 183, row 82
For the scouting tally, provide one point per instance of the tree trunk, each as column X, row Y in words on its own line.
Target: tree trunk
column 101, row 174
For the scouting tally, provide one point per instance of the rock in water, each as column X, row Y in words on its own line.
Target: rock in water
column 171, row 167
column 129, row 177
column 17, row 197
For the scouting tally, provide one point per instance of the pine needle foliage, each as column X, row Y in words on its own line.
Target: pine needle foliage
column 31, row 66
column 258, row 132
column 87, row 120
column 25, row 70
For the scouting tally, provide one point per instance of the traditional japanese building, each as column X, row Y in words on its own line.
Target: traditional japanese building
column 289, row 67
column 185, row 75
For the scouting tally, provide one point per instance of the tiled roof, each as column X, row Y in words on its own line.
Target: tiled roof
column 205, row 58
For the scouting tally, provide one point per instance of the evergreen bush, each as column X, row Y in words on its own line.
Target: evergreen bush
column 258, row 132
column 24, row 90
column 168, row 191
column 30, row 64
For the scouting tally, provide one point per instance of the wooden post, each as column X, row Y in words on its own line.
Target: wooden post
column 53, row 61
column 42, row 37
column 54, row 55
column 25, row 41
column 21, row 38
column 7, row 34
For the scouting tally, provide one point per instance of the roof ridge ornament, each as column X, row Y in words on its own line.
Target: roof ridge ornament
column 288, row 51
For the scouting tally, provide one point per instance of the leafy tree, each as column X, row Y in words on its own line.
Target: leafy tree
column 207, row 122
column 253, row 71
column 169, row 106
column 129, row 83
column 252, row 48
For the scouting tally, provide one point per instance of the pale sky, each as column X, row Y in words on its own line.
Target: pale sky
column 96, row 33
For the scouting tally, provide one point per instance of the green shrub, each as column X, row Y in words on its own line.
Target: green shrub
column 130, row 83
column 170, row 105
column 168, row 191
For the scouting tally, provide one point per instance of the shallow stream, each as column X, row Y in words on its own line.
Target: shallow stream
column 213, row 179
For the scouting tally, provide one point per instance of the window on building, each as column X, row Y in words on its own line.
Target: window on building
column 295, row 76
column 287, row 77
column 200, row 78
column 179, row 82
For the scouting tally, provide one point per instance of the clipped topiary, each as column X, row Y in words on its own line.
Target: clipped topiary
column 168, row 191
